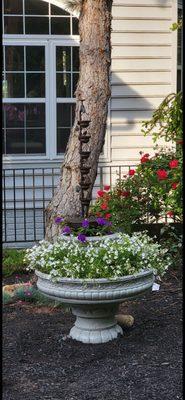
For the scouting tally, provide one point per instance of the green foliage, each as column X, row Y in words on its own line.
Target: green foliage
column 154, row 189
column 167, row 120
column 176, row 25
column 7, row 298
column 40, row 300
column 173, row 242
column 143, row 196
column 29, row 293
column 25, row 292
column 13, row 262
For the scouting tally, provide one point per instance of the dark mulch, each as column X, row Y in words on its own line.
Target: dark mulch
column 145, row 364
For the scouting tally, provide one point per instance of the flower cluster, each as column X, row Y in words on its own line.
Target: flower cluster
column 125, row 255
column 152, row 191
column 100, row 226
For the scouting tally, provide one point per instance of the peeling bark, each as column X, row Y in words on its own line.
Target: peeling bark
column 94, row 88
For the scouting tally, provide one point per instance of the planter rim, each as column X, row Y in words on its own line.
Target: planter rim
column 96, row 280
column 92, row 238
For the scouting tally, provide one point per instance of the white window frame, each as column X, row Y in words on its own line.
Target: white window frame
column 50, row 97
column 53, row 106
column 31, row 100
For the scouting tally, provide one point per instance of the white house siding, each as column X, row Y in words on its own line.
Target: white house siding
column 143, row 71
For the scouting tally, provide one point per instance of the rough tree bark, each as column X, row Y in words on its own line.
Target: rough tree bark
column 94, row 88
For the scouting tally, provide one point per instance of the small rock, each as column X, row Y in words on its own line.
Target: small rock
column 125, row 320
column 11, row 288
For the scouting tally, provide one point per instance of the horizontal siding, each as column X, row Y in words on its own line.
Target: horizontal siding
column 141, row 77
column 142, row 12
column 130, row 153
column 137, row 104
column 21, row 225
column 140, row 25
column 126, row 129
column 141, row 64
column 141, row 71
column 131, row 141
column 140, row 3
column 141, row 51
column 140, row 38
column 130, row 116
column 140, row 90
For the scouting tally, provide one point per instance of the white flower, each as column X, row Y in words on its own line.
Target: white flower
column 109, row 258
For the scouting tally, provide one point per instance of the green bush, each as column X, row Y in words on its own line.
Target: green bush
column 173, row 242
column 167, row 120
column 153, row 190
column 13, row 262
column 7, row 298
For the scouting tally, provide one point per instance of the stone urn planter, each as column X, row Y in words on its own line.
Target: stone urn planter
column 95, row 302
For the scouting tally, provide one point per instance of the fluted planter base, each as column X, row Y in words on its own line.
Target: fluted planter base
column 95, row 302
column 95, row 323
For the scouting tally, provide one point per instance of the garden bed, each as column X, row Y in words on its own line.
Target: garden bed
column 41, row 362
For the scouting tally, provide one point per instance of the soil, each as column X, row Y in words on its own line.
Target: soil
column 42, row 363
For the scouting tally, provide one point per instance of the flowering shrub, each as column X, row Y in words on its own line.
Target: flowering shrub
column 125, row 255
column 152, row 192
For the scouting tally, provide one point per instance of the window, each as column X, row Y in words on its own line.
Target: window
column 38, row 93
column 23, row 87
column 37, row 17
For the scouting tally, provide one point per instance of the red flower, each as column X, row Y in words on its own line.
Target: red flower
column 125, row 194
column 131, row 172
column 173, row 164
column 162, row 174
column 100, row 193
column 106, row 187
column 174, row 185
column 104, row 206
column 107, row 216
column 170, row 213
column 144, row 158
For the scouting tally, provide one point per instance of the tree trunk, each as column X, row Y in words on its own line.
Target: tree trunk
column 94, row 88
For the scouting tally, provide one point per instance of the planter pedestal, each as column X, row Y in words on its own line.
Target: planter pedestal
column 95, row 302
column 95, row 323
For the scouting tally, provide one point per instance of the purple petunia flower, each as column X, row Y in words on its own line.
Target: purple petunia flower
column 28, row 293
column 85, row 223
column 109, row 223
column 81, row 237
column 66, row 230
column 58, row 220
column 101, row 221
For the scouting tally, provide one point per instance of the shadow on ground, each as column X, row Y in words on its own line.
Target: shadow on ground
column 40, row 363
